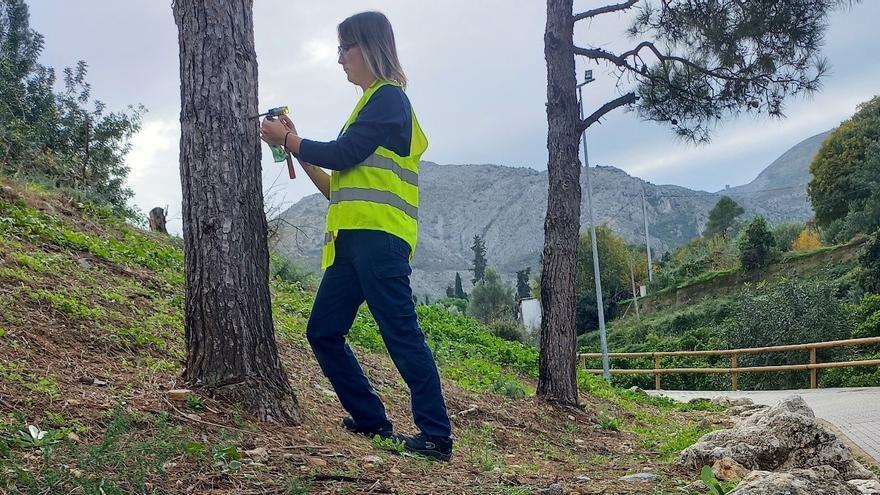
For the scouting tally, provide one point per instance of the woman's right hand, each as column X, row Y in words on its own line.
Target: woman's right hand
column 284, row 119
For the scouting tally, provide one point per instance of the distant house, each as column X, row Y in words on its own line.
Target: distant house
column 529, row 314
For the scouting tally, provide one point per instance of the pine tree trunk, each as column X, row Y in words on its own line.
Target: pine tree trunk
column 230, row 339
column 557, row 381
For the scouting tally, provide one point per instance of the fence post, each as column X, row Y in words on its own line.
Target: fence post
column 734, row 375
column 814, row 382
column 656, row 372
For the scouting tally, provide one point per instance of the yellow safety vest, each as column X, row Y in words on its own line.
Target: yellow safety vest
column 381, row 193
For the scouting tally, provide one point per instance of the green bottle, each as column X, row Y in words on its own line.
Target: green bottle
column 278, row 153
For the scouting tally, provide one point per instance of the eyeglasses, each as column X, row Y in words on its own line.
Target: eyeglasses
column 341, row 49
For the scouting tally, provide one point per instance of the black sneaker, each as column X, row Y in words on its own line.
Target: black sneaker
column 439, row 448
column 385, row 430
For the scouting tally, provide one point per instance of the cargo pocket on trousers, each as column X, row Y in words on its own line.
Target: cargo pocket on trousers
column 393, row 289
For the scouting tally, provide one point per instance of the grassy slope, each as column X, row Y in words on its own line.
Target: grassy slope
column 685, row 322
column 91, row 338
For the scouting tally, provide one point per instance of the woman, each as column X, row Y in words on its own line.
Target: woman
column 370, row 237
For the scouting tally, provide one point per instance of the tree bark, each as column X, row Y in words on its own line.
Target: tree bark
column 230, row 339
column 557, row 380
column 157, row 220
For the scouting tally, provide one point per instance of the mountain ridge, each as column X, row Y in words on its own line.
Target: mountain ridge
column 506, row 207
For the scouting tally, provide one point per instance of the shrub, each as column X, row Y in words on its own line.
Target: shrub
column 508, row 329
column 756, row 245
column 790, row 313
column 807, row 240
column 785, row 235
column 869, row 264
column 491, row 299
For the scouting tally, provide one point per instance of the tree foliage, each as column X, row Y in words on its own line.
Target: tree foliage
column 614, row 264
column 64, row 136
column 786, row 233
column 522, row 283
column 869, row 264
column 756, row 245
column 790, row 313
column 807, row 240
column 479, row 268
column 696, row 61
column 491, row 298
column 459, row 291
column 722, row 217
column 845, row 189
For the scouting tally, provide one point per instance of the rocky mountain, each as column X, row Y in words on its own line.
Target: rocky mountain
column 780, row 190
column 506, row 207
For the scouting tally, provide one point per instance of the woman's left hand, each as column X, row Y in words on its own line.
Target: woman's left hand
column 273, row 132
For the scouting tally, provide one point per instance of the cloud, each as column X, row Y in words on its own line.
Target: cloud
column 155, row 175
column 478, row 85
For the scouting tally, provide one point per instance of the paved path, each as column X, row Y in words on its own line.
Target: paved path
column 854, row 411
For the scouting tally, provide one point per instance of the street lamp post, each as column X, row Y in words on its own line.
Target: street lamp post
column 603, row 339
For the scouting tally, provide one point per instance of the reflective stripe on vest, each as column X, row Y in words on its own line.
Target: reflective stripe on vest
column 376, row 161
column 374, row 196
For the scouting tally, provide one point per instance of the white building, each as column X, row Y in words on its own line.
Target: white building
column 529, row 314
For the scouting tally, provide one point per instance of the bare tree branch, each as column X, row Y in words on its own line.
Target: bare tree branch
column 627, row 99
column 604, row 10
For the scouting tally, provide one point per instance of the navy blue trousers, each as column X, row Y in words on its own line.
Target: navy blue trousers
column 374, row 266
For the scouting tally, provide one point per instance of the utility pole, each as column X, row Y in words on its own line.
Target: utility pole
column 603, row 339
column 647, row 238
column 632, row 279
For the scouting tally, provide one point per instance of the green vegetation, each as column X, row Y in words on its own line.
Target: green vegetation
column 616, row 258
column 756, row 245
column 132, row 451
column 845, row 189
column 722, row 217
column 491, row 299
column 714, row 486
column 64, row 137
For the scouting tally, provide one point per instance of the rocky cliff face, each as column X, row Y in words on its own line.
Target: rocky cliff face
column 506, row 207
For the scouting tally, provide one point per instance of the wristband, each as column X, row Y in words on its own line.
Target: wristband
column 285, row 140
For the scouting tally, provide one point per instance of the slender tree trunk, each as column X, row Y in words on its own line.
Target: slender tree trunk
column 557, row 380
column 230, row 339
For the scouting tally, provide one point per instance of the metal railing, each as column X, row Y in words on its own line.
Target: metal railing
column 734, row 370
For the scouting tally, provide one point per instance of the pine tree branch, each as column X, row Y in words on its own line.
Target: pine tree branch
column 623, row 62
column 627, row 99
column 604, row 10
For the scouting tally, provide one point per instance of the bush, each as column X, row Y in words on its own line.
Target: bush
column 756, row 245
column 785, row 235
column 869, row 264
column 845, row 186
column 807, row 240
column 460, row 305
column 508, row 329
column 288, row 271
column 792, row 312
column 491, row 299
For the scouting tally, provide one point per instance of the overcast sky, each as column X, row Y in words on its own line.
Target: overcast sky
column 477, row 83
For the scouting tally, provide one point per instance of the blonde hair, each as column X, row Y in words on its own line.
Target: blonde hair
column 372, row 32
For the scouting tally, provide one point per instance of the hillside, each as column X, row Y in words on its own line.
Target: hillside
column 506, row 207
column 806, row 296
column 91, row 340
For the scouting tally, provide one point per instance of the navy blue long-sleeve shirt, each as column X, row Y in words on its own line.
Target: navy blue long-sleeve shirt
column 386, row 120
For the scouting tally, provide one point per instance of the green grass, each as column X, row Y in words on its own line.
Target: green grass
column 19, row 222
column 132, row 452
column 71, row 305
column 18, row 372
column 478, row 448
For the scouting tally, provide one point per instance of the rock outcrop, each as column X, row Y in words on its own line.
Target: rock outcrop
column 782, row 438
